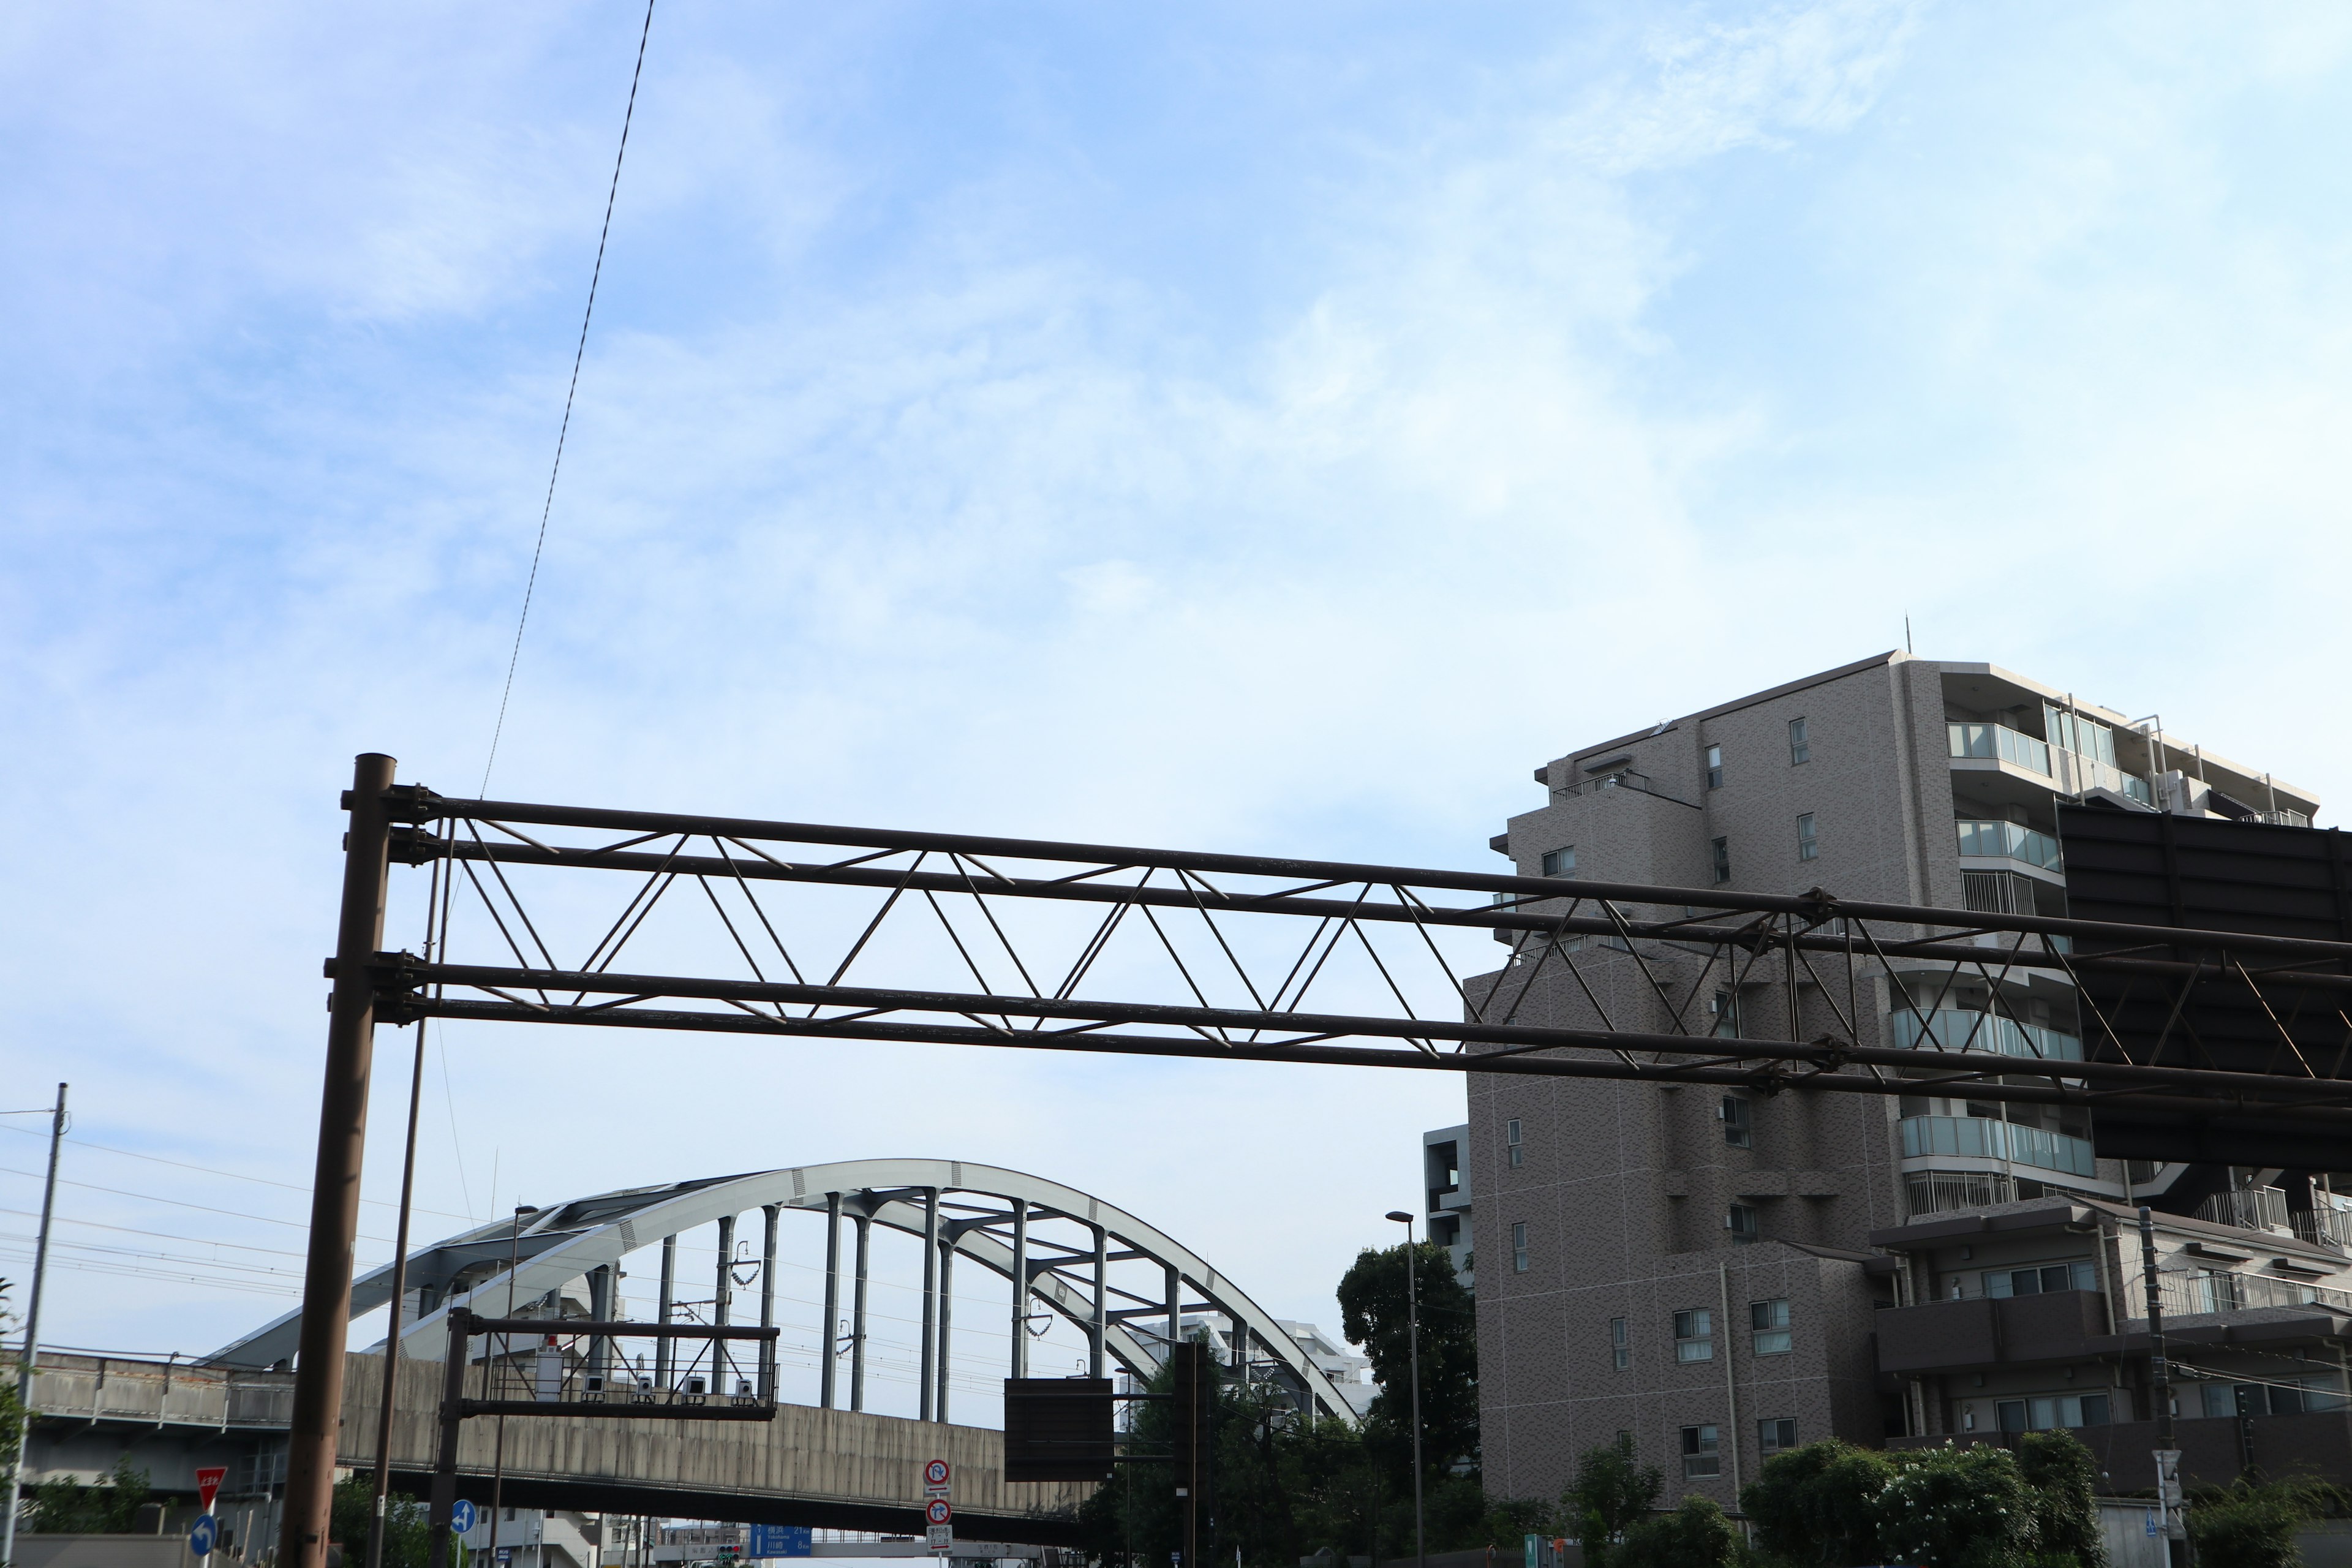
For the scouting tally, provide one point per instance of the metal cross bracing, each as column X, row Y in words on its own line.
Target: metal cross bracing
column 794, row 929
column 846, row 932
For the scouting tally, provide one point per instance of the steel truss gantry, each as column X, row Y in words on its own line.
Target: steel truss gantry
column 1040, row 945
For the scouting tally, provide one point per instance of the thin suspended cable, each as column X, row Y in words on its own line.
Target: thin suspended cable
column 515, row 655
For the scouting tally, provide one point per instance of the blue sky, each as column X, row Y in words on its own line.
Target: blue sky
column 1249, row 428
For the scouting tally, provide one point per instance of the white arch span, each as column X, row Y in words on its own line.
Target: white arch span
column 569, row 1240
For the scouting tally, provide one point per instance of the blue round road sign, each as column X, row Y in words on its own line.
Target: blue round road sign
column 461, row 1516
column 206, row 1531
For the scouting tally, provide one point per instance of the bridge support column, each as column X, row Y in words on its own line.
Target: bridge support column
column 831, row 1339
column 767, row 1308
column 600, row 1306
column 946, row 1325
column 722, row 1310
column 662, row 1310
column 1020, row 1288
column 857, row 1319
column 1094, row 1329
column 1175, row 1311
column 925, row 1389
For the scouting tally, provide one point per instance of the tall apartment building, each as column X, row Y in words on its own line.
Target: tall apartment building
column 1706, row 1272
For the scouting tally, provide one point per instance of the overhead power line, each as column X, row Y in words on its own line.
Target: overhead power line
column 564, row 430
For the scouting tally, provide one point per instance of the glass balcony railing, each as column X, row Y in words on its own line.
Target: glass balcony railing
column 1981, row 1138
column 2070, row 770
column 2008, row 840
column 1991, row 741
column 1957, row 1029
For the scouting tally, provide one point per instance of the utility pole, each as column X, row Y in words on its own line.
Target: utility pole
column 335, row 1183
column 32, row 1349
column 2159, row 1375
column 1412, row 1341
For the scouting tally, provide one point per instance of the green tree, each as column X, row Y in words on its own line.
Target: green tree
column 1611, row 1493
column 2065, row 1478
column 1818, row 1507
column 407, row 1535
column 66, row 1506
column 1958, row 1508
column 2252, row 1524
column 1695, row 1535
column 1373, row 1314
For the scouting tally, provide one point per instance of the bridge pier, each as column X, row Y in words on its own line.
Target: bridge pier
column 768, row 1304
column 662, row 1310
column 857, row 1319
column 1101, row 1319
column 828, row 1341
column 924, row 1390
column 947, row 1321
column 1020, row 1288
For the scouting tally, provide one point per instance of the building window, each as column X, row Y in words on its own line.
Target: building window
column 1724, row 1006
column 1770, row 1321
column 1695, row 1335
column 1800, row 750
column 1701, row 1457
column 1738, row 1117
column 1560, row 862
column 1519, row 1248
column 1740, row 1221
column 1720, row 851
column 2079, row 1276
column 1715, row 767
column 1807, row 847
column 1620, row 1345
column 1515, row 1154
column 1776, row 1434
column 2056, row 1410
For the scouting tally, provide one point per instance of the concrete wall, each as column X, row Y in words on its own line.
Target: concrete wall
column 833, row 1455
column 103, row 1552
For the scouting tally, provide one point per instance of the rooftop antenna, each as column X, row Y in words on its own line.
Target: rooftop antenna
column 1907, row 636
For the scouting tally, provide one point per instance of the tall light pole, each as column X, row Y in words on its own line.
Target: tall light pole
column 1412, row 1341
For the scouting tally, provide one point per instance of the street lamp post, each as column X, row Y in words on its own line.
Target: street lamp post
column 1412, row 1341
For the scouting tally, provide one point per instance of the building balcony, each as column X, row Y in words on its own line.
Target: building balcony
column 1990, row 1331
column 2069, row 772
column 1981, row 1138
column 1957, row 1029
column 2249, row 1208
column 1988, row 839
column 2213, row 1450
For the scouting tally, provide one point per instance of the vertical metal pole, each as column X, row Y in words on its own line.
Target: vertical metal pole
column 32, row 1352
column 502, row 1345
column 832, row 1337
column 1102, row 1303
column 923, row 1391
column 453, row 1410
column 600, row 1307
column 662, row 1352
column 1020, row 1288
column 946, row 1325
column 399, row 1299
column 768, row 1306
column 1412, row 1342
column 335, row 1181
column 857, row 1319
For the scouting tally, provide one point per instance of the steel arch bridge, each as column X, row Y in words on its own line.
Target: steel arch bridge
column 983, row 1213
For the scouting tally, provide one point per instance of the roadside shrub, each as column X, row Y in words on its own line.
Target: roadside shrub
column 2252, row 1524
column 1817, row 1507
column 1695, row 1535
column 1610, row 1494
column 2064, row 1476
column 1958, row 1508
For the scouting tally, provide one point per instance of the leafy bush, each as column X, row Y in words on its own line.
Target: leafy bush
column 2254, row 1524
column 1610, row 1494
column 1695, row 1535
column 66, row 1506
column 2065, row 1478
column 1817, row 1507
column 1958, row 1508
column 407, row 1536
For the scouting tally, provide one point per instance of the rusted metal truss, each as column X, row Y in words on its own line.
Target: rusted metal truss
column 838, row 932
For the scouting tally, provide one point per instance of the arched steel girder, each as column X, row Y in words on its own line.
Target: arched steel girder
column 565, row 1241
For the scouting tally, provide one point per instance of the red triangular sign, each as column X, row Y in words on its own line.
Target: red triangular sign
column 208, row 1484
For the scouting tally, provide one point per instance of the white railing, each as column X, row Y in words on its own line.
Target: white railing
column 2249, row 1208
column 2220, row 1291
column 2324, row 1228
column 1954, row 1192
